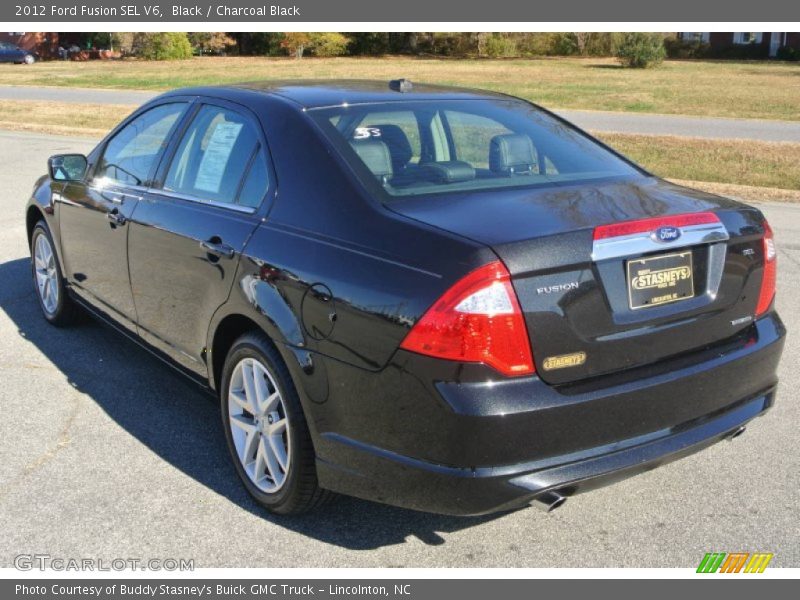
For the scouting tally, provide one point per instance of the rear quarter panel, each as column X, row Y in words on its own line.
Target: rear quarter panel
column 330, row 270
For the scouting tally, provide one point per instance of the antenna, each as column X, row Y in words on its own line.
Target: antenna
column 401, row 85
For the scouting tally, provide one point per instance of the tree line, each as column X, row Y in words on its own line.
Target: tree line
column 634, row 49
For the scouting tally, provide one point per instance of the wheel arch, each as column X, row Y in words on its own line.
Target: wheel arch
column 33, row 215
column 227, row 331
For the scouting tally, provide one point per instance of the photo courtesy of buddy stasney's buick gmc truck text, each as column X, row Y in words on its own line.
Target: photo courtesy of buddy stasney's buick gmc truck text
column 442, row 299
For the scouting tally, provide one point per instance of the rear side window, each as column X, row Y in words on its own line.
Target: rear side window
column 217, row 157
column 129, row 157
column 255, row 183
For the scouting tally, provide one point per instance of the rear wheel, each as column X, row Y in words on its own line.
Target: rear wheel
column 57, row 307
column 266, row 430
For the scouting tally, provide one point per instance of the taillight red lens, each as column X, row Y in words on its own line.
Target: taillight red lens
column 477, row 320
column 769, row 280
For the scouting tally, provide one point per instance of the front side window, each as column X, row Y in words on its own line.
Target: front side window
column 460, row 145
column 219, row 155
column 130, row 156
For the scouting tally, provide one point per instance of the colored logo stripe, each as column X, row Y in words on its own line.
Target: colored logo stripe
column 711, row 562
column 758, row 562
column 734, row 562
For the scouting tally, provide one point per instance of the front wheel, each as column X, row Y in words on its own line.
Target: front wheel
column 57, row 307
column 266, row 430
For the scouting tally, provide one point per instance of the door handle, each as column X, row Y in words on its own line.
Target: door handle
column 115, row 217
column 218, row 249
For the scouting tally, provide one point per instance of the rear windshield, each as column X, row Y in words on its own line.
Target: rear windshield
column 416, row 148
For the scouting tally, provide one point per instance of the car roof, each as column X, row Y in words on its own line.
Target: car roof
column 332, row 92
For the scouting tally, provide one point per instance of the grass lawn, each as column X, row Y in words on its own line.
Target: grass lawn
column 742, row 162
column 746, row 89
column 61, row 118
column 723, row 166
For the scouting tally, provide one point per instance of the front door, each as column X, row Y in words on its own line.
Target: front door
column 187, row 235
column 94, row 214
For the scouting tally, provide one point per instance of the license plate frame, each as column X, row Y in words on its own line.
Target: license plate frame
column 660, row 279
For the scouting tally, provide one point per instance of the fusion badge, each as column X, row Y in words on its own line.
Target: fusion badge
column 564, row 360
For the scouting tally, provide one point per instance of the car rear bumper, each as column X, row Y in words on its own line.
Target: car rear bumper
column 570, row 440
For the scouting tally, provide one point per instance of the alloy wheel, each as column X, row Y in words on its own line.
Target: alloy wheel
column 259, row 425
column 46, row 274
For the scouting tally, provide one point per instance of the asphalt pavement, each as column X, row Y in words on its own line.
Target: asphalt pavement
column 108, row 453
column 600, row 121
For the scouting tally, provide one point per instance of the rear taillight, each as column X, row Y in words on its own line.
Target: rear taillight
column 477, row 320
column 770, row 277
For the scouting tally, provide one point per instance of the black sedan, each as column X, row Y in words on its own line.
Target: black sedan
column 437, row 298
column 11, row 53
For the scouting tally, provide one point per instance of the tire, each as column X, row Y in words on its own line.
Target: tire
column 48, row 281
column 272, row 452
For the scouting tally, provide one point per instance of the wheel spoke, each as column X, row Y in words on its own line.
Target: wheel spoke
column 261, row 391
column 261, row 464
column 272, row 465
column 243, row 423
column 249, row 387
column 240, row 399
column 250, row 445
column 276, row 445
column 41, row 277
column 278, row 427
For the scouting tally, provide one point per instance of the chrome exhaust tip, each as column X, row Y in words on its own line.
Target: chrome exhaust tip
column 549, row 501
column 736, row 433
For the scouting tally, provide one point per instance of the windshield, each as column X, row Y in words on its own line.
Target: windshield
column 416, row 148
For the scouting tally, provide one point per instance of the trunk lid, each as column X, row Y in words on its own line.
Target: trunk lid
column 587, row 301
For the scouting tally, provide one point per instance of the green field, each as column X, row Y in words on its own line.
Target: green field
column 745, row 89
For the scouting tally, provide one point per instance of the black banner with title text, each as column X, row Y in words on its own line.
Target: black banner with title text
column 362, row 11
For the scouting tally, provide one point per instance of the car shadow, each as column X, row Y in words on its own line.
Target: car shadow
column 179, row 421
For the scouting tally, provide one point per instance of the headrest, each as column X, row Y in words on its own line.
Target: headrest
column 451, row 171
column 511, row 153
column 375, row 155
column 399, row 146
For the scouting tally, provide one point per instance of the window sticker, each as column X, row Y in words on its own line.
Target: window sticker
column 216, row 157
column 363, row 133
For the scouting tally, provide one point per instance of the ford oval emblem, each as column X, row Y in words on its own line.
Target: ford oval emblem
column 666, row 234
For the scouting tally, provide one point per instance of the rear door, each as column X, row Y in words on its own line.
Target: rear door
column 189, row 230
column 93, row 215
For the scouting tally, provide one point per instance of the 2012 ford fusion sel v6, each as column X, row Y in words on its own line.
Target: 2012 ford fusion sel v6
column 437, row 298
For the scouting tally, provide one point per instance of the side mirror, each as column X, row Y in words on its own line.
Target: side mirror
column 67, row 167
